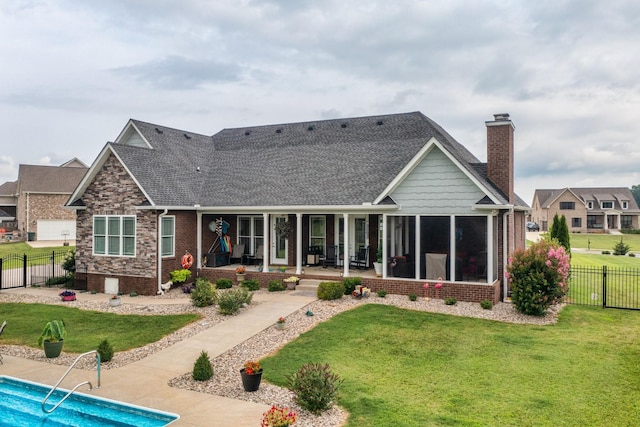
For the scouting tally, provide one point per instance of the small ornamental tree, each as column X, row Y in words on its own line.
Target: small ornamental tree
column 560, row 232
column 538, row 277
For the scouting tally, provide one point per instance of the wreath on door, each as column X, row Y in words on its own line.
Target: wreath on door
column 282, row 228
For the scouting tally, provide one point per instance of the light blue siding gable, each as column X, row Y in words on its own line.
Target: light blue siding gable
column 437, row 186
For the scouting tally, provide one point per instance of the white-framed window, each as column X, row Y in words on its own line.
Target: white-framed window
column 590, row 205
column 318, row 232
column 607, row 205
column 114, row 235
column 168, row 236
column 250, row 233
column 625, row 205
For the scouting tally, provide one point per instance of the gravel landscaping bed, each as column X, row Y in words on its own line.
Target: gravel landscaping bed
column 226, row 380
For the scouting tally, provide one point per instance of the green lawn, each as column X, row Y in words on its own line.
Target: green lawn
column 23, row 248
column 604, row 241
column 409, row 368
column 85, row 329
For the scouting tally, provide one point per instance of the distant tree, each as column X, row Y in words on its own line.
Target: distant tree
column 560, row 232
column 635, row 190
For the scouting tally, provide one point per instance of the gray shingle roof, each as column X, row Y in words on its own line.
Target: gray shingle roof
column 594, row 194
column 328, row 162
column 49, row 179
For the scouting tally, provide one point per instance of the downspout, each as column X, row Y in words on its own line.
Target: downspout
column 158, row 254
column 505, row 252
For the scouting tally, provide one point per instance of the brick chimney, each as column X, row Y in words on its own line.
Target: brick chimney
column 500, row 154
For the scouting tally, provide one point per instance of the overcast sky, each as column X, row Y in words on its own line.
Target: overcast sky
column 73, row 72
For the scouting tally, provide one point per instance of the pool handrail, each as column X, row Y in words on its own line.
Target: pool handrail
column 76, row 387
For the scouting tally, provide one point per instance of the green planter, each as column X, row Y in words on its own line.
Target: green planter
column 53, row 348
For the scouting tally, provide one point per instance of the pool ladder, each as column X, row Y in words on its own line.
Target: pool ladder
column 48, row 411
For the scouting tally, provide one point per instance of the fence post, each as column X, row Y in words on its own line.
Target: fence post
column 24, row 270
column 1, row 273
column 604, row 286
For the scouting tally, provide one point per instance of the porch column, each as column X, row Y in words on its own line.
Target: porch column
column 491, row 247
column 298, row 243
column 385, row 251
column 418, row 258
column 345, row 257
column 265, row 237
column 452, row 248
column 619, row 221
column 198, row 240
column 605, row 226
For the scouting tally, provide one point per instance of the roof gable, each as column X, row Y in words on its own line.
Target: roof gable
column 48, row 179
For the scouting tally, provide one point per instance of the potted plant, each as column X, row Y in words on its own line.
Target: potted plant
column 281, row 323
column 240, row 272
column 377, row 265
column 114, row 301
column 251, row 375
column 291, row 282
column 278, row 417
column 52, row 338
column 68, row 295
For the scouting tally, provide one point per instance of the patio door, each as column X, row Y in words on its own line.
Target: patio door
column 279, row 242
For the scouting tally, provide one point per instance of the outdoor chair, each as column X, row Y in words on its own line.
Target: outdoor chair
column 238, row 253
column 359, row 260
column 259, row 255
column 2, row 330
column 331, row 257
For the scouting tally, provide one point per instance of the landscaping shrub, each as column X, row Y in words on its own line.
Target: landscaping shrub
column 606, row 252
column 178, row 277
column 202, row 369
column 621, row 248
column 350, row 284
column 230, row 300
column 276, row 286
column 69, row 263
column 251, row 284
column 224, row 283
column 105, row 350
column 315, row 387
column 538, row 277
column 56, row 280
column 330, row 290
column 382, row 293
column 204, row 294
column 413, row 296
column 631, row 254
column 450, row 300
column 486, row 304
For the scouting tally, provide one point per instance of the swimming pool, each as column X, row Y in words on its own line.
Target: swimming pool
column 20, row 405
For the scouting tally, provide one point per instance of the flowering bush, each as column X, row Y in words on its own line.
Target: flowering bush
column 291, row 279
column 278, row 417
column 241, row 270
column 538, row 277
column 252, row 367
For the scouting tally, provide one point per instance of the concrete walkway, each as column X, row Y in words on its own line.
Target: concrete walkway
column 144, row 382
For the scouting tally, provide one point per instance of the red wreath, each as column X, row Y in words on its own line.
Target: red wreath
column 187, row 261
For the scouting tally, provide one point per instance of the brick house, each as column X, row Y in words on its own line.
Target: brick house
column 41, row 194
column 293, row 194
column 587, row 210
column 8, row 203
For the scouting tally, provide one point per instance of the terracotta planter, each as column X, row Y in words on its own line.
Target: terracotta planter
column 239, row 277
column 251, row 382
column 292, row 285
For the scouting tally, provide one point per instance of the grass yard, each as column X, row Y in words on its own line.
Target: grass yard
column 24, row 248
column 408, row 368
column 604, row 241
column 598, row 260
column 85, row 329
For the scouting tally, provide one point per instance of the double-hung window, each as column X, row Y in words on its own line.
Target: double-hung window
column 167, row 236
column 114, row 235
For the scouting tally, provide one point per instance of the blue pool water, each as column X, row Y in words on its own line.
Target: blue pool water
column 20, row 405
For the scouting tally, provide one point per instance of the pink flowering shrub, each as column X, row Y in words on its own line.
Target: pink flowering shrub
column 538, row 277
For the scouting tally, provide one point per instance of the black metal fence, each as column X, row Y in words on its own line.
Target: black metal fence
column 607, row 287
column 22, row 270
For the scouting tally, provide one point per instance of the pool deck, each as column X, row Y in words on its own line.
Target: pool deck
column 144, row 382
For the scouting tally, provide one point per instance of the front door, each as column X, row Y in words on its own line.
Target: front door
column 279, row 242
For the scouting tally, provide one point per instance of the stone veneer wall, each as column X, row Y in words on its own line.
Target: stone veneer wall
column 113, row 192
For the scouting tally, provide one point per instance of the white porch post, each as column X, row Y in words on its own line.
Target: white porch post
column 298, row 243
column 619, row 221
column 198, row 240
column 452, row 246
column 265, row 246
column 345, row 257
column 491, row 247
column 606, row 223
column 418, row 258
column 385, row 251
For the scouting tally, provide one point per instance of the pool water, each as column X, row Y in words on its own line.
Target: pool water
column 20, row 405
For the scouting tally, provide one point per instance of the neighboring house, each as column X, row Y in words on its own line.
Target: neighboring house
column 587, row 210
column 42, row 192
column 286, row 191
column 8, row 203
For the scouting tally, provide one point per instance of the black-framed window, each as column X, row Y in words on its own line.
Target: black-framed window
column 567, row 206
column 576, row 222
